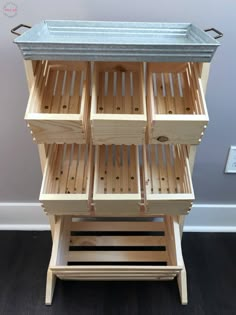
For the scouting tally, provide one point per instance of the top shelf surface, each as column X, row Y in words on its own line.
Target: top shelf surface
column 116, row 41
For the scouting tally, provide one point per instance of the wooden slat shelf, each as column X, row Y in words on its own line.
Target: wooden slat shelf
column 168, row 179
column 177, row 112
column 118, row 105
column 117, row 180
column 67, row 181
column 59, row 103
column 92, row 250
column 58, row 106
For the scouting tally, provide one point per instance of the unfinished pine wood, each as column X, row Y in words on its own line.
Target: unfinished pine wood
column 58, row 106
column 177, row 111
column 30, row 71
column 118, row 104
column 80, row 252
column 182, row 276
column 67, row 179
column 192, row 149
column 168, row 181
column 116, row 189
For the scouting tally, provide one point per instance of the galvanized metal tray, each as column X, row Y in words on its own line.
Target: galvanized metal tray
column 116, row 41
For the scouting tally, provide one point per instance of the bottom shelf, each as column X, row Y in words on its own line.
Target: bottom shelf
column 107, row 249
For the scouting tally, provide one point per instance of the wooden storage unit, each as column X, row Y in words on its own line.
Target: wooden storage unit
column 67, row 181
column 177, row 111
column 121, row 187
column 58, row 105
column 168, row 180
column 116, row 250
column 118, row 106
column 116, row 189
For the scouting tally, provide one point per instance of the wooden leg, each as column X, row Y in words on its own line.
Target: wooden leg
column 182, row 276
column 50, row 286
column 52, row 221
column 58, row 254
column 181, row 225
column 182, row 284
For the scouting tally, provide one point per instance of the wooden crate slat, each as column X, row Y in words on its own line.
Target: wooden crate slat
column 118, row 278
column 117, row 241
column 117, row 226
column 116, row 269
column 71, row 183
column 117, row 256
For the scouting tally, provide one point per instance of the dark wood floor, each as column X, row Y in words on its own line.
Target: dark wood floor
column 210, row 261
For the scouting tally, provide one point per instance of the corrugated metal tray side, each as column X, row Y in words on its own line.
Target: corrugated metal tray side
column 116, row 41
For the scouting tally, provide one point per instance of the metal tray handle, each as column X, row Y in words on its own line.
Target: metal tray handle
column 13, row 31
column 212, row 29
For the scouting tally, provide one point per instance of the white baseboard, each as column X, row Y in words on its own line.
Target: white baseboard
column 23, row 216
column 202, row 218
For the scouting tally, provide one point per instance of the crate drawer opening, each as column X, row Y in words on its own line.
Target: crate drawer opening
column 118, row 110
column 57, row 109
column 169, row 188
column 66, row 186
column 115, row 250
column 116, row 179
column 177, row 110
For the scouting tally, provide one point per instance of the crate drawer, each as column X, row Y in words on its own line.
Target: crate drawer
column 58, row 106
column 67, row 180
column 116, row 189
column 115, row 250
column 168, row 184
column 177, row 111
column 118, row 105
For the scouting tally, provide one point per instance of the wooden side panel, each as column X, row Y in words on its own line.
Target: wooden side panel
column 57, row 131
column 169, row 207
column 65, row 206
column 185, row 130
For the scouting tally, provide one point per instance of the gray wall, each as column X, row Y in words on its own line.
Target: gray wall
column 20, row 176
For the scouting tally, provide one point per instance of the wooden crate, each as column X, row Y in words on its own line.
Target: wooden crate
column 177, row 111
column 116, row 190
column 58, row 105
column 116, row 250
column 118, row 105
column 67, row 180
column 168, row 180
